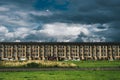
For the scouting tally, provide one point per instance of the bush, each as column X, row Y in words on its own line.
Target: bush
column 32, row 65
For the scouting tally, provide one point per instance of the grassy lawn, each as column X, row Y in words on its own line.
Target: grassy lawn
column 95, row 63
column 61, row 75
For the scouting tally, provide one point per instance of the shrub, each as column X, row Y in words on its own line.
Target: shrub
column 32, row 65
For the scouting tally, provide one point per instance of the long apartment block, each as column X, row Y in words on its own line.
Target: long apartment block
column 59, row 51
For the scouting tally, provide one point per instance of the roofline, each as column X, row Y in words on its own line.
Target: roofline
column 62, row 43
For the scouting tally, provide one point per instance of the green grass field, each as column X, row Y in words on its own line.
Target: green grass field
column 61, row 75
column 95, row 63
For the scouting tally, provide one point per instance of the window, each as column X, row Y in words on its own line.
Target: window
column 89, row 54
column 81, row 54
column 97, row 50
column 80, row 50
column 85, row 54
column 67, row 50
column 104, row 54
column 76, row 54
column 0, row 46
column 68, row 54
column 117, row 54
column 98, row 54
column 36, row 54
column 81, row 47
column 98, row 47
column 28, row 46
column 0, row 50
column 60, row 54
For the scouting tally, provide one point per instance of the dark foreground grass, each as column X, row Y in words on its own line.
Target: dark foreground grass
column 96, row 63
column 61, row 75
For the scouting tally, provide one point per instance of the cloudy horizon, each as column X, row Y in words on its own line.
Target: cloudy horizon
column 59, row 20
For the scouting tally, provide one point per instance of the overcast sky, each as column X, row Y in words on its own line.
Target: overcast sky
column 60, row 20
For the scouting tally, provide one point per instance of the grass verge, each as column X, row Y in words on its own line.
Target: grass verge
column 61, row 75
column 97, row 64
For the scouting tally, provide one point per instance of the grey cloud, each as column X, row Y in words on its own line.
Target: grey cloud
column 82, row 12
column 24, row 4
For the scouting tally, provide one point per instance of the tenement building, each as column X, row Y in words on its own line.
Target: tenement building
column 59, row 51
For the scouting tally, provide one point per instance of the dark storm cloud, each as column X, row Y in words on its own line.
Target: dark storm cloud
column 77, row 11
column 95, row 11
column 19, row 4
column 81, row 11
column 51, row 4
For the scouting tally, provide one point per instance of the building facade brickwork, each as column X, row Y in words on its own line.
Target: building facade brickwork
column 59, row 51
